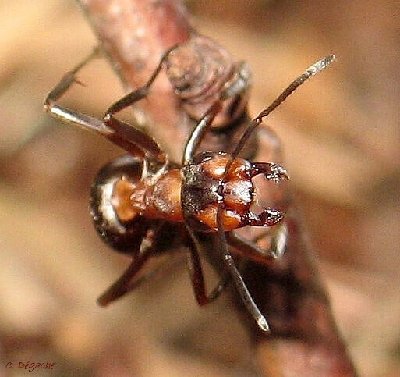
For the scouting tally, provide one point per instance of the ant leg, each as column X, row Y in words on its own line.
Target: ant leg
column 68, row 79
column 197, row 276
column 196, row 273
column 129, row 138
column 127, row 281
column 271, row 171
column 139, row 93
column 134, row 141
column 66, row 114
column 123, row 285
column 151, row 149
column 194, row 263
column 250, row 250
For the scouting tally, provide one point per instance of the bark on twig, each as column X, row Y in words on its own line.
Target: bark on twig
column 304, row 341
column 134, row 35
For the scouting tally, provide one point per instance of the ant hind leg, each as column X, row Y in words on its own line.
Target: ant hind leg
column 123, row 285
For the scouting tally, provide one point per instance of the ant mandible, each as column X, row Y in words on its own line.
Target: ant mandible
column 141, row 202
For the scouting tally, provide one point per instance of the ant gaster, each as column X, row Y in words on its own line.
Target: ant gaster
column 141, row 202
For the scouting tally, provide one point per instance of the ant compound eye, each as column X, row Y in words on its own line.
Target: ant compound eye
column 114, row 218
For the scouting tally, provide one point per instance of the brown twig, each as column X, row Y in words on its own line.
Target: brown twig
column 304, row 341
column 134, row 35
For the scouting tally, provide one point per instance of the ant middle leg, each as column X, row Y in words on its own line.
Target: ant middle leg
column 148, row 144
column 140, row 93
column 127, row 282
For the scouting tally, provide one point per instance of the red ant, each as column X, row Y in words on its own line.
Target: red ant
column 141, row 203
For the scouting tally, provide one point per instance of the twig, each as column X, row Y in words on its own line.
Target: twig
column 304, row 340
column 134, row 35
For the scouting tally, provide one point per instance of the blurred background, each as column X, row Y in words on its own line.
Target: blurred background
column 341, row 137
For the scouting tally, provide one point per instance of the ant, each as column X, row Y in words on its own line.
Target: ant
column 142, row 203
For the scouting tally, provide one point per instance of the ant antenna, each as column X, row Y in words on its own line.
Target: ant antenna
column 308, row 73
column 240, row 285
column 228, row 259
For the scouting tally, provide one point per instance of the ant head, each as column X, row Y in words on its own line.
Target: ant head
column 204, row 192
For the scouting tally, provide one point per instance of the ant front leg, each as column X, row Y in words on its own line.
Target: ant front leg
column 268, row 217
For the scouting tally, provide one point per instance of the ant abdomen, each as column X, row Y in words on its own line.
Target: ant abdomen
column 115, row 220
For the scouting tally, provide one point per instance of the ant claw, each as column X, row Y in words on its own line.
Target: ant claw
column 271, row 217
column 277, row 174
column 271, row 171
column 268, row 217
